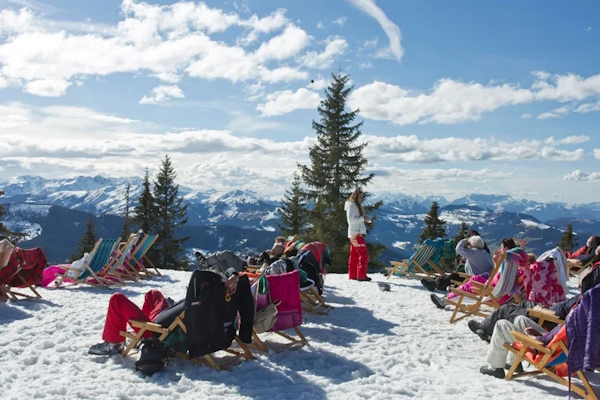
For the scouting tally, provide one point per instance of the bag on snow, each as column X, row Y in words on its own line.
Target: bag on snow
column 154, row 357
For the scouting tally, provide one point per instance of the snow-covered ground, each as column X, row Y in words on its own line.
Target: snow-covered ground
column 374, row 344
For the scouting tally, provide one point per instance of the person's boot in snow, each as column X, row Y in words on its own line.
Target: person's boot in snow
column 106, row 349
column 428, row 284
column 495, row 372
column 367, row 279
column 519, row 369
column 439, row 302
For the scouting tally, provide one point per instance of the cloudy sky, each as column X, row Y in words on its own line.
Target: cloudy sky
column 478, row 97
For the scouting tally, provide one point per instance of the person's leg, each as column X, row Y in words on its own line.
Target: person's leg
column 352, row 261
column 521, row 323
column 496, row 355
column 443, row 282
column 120, row 311
column 154, row 303
column 363, row 259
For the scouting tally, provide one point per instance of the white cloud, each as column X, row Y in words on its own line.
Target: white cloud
column 320, row 25
column 597, row 154
column 46, row 56
column 568, row 140
column 582, row 176
column 588, row 107
column 526, row 116
column 435, row 174
column 589, row 28
column 391, row 30
column 448, row 102
column 162, row 93
column 284, row 102
column 556, row 113
column 318, row 84
column 340, row 21
column 565, row 88
column 411, row 149
column 335, row 46
column 365, row 65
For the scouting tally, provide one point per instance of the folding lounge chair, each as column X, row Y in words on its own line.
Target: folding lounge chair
column 116, row 267
column 23, row 270
column 470, row 303
column 286, row 289
column 313, row 302
column 545, row 315
column 232, row 356
column 419, row 265
column 575, row 269
column 135, row 262
column 550, row 360
column 98, row 260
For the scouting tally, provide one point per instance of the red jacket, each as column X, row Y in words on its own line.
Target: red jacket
column 321, row 253
column 577, row 253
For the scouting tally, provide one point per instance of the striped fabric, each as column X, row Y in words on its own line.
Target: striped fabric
column 99, row 258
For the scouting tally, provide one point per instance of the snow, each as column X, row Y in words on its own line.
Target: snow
column 39, row 210
column 533, row 224
column 374, row 344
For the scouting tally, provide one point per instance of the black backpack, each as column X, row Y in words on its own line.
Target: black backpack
column 154, row 357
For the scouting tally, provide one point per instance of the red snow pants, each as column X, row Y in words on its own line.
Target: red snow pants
column 359, row 258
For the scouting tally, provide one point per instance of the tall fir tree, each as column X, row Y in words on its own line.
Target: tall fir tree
column 434, row 226
column 126, row 231
column 144, row 213
column 337, row 167
column 87, row 242
column 171, row 215
column 464, row 231
column 294, row 211
column 568, row 242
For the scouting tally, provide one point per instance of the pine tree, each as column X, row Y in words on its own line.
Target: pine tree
column 568, row 242
column 294, row 211
column 434, row 226
column 144, row 212
column 87, row 242
column 464, row 230
column 126, row 231
column 336, row 168
column 170, row 217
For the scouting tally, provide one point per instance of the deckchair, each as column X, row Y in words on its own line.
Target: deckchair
column 313, row 302
column 233, row 356
column 419, row 265
column 576, row 268
column 470, row 303
column 23, row 270
column 97, row 261
column 116, row 267
column 291, row 342
column 135, row 262
column 545, row 315
column 547, row 359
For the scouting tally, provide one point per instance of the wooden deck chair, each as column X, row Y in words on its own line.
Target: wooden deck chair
column 135, row 262
column 420, row 265
column 576, row 268
column 313, row 302
column 544, row 315
column 231, row 358
column 291, row 342
column 470, row 303
column 116, row 267
column 97, row 261
column 547, row 360
column 22, row 270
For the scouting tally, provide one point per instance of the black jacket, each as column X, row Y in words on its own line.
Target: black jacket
column 210, row 312
column 310, row 265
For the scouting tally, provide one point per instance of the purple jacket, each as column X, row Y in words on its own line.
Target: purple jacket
column 583, row 333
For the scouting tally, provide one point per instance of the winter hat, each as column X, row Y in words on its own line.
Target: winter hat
column 6, row 249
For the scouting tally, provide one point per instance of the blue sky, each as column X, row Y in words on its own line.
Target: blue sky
column 489, row 97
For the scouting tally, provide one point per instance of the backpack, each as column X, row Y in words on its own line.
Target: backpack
column 154, row 357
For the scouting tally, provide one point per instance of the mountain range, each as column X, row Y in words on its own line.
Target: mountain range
column 53, row 213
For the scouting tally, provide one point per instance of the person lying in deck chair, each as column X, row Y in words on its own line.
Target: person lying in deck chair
column 478, row 262
column 156, row 308
column 484, row 329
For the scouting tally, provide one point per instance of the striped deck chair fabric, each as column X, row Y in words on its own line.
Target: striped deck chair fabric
column 136, row 260
column 422, row 263
column 99, row 257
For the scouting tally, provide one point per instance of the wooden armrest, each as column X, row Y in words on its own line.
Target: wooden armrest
column 398, row 263
column 463, row 293
column 478, row 284
column 545, row 314
column 140, row 324
column 530, row 342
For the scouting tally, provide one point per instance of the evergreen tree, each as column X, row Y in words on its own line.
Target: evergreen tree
column 170, row 217
column 87, row 242
column 464, row 230
column 434, row 226
column 568, row 242
column 126, row 231
column 336, row 168
column 294, row 213
column 144, row 212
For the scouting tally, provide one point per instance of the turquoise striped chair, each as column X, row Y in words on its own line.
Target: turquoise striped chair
column 136, row 261
column 422, row 263
column 98, row 259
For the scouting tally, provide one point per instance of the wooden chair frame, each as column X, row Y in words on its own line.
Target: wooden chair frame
column 542, row 366
column 101, row 281
column 237, row 356
column 313, row 302
column 134, row 263
column 404, row 267
column 482, row 296
column 293, row 343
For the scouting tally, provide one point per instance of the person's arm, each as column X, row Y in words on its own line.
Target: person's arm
column 463, row 250
column 548, row 336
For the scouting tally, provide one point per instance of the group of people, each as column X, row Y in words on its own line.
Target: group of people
column 542, row 280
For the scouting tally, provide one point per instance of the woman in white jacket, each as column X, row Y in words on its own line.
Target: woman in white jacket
column 359, row 256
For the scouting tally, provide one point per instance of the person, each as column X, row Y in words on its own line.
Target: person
column 121, row 310
column 359, row 256
column 473, row 232
column 321, row 253
column 479, row 261
column 585, row 253
column 589, row 278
